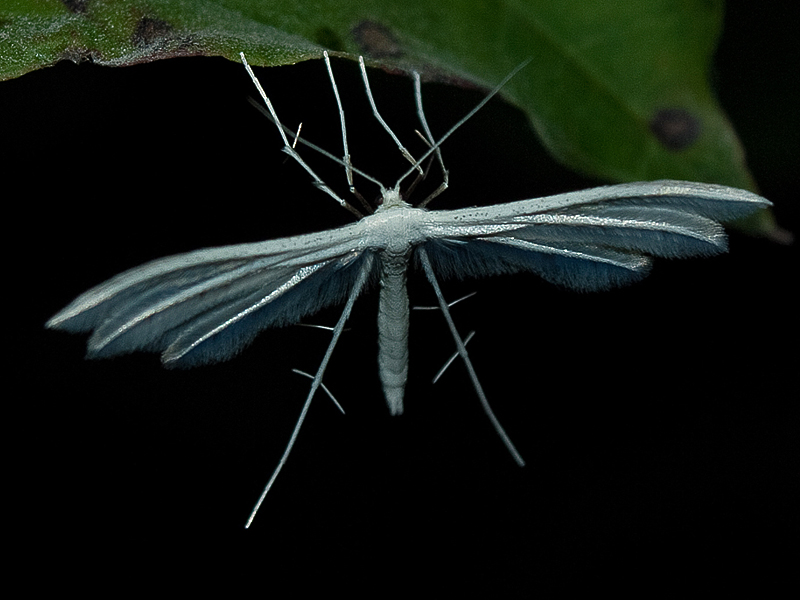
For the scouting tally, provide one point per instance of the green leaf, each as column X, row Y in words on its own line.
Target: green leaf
column 615, row 90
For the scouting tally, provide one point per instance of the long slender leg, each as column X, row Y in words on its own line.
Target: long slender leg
column 470, row 335
column 348, row 165
column 337, row 331
column 449, row 304
column 327, row 391
column 400, row 146
column 463, row 120
column 462, row 351
column 289, row 148
column 297, row 139
column 437, row 149
column 450, row 360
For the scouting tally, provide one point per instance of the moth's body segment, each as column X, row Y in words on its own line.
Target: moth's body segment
column 406, row 225
column 393, row 327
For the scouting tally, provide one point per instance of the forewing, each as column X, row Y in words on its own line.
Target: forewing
column 205, row 306
column 592, row 239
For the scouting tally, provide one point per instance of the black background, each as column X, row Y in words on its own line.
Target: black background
column 659, row 422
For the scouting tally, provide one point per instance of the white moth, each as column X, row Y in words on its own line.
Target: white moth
column 207, row 305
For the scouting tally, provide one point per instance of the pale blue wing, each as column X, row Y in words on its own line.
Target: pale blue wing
column 591, row 239
column 205, row 306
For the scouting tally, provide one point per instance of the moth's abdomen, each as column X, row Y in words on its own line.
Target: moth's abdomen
column 393, row 330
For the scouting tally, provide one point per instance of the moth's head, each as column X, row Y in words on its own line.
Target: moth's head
column 391, row 198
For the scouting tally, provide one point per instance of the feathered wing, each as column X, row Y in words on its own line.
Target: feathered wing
column 205, row 306
column 591, row 239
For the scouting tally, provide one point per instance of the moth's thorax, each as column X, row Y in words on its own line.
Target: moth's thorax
column 396, row 226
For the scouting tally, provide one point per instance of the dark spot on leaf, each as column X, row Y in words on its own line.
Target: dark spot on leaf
column 376, row 40
column 150, row 31
column 675, row 128
column 76, row 6
column 327, row 38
